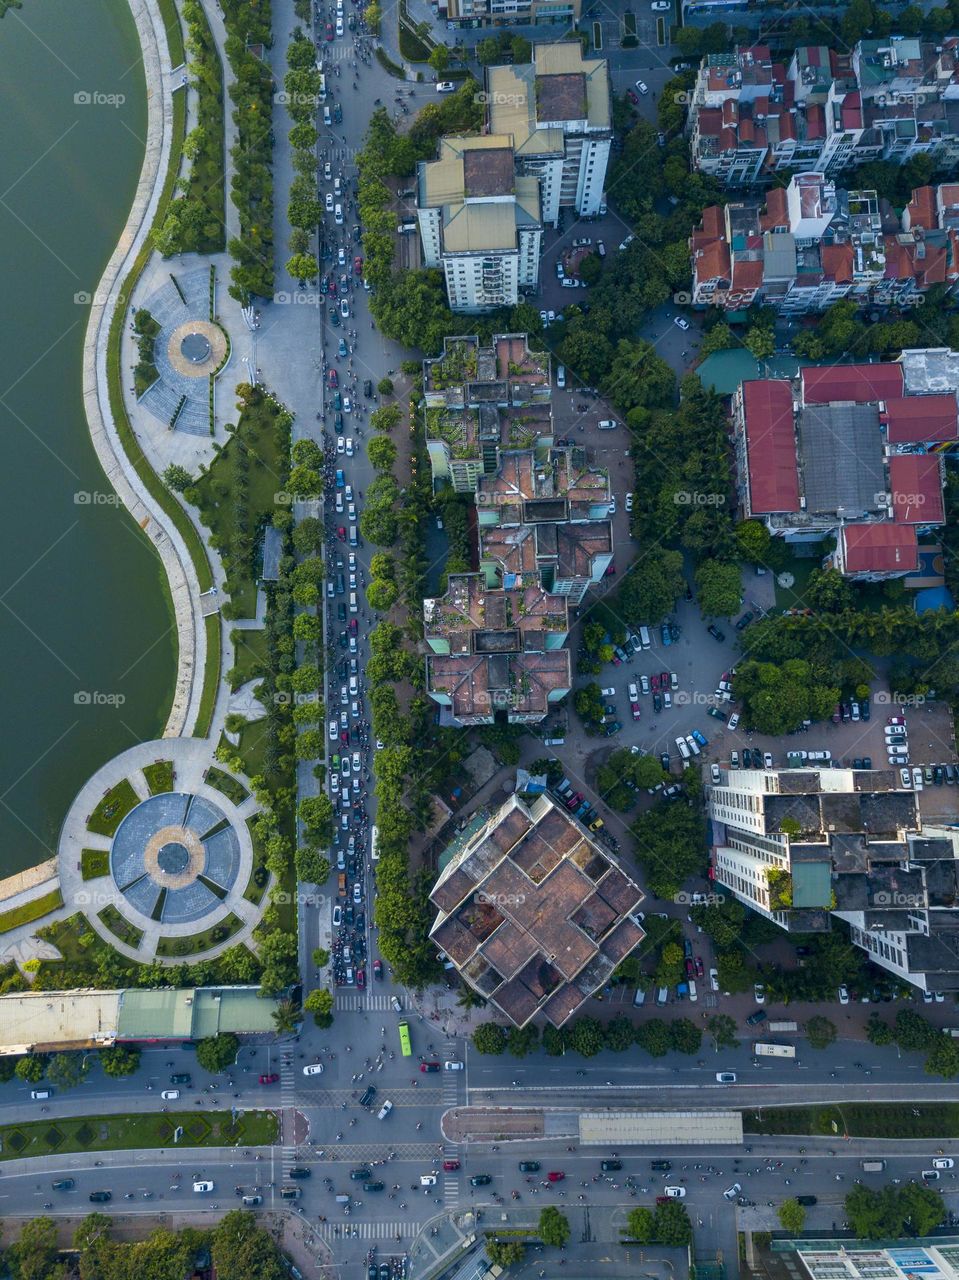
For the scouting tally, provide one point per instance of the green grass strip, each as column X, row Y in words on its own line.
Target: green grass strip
column 159, row 776
column 113, row 808
column 174, row 32
column 859, row 1120
column 27, row 912
column 211, row 676
column 132, row 1132
column 94, row 863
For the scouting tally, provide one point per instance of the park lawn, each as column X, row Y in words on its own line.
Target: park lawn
column 225, row 782
column 195, row 943
column 873, row 1120
column 113, row 808
column 94, row 863
column 159, row 776
column 135, row 1132
column 120, row 926
column 251, row 657
column 257, row 438
column 211, row 676
column 27, row 912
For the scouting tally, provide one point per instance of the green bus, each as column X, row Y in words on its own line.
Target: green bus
column 405, row 1047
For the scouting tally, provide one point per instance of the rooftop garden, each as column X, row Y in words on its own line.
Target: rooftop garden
column 458, row 364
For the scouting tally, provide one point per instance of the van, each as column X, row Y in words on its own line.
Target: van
column 250, row 1201
column 352, row 602
column 561, row 376
column 683, row 748
column 406, row 228
column 41, row 1095
column 354, row 540
column 693, row 993
column 290, row 1193
column 639, row 999
column 327, row 116
column 876, row 1166
column 662, row 995
column 644, row 637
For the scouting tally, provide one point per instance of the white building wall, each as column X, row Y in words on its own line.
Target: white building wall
column 591, row 183
column 429, row 220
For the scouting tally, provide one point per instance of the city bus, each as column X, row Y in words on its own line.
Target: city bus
column 405, row 1048
column 374, row 845
column 774, row 1050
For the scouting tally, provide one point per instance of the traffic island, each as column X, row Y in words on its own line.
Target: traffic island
column 493, row 1124
column 63, row 1135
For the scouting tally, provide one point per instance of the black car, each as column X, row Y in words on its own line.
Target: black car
column 806, row 1200
column 100, row 1197
column 867, row 762
column 299, row 1172
column 368, row 388
column 864, row 709
column 373, row 1186
column 480, row 1180
column 657, row 703
column 663, row 1166
column 181, row 1079
column 384, row 1271
column 715, row 633
column 664, row 761
column 754, row 1019
column 529, row 1166
column 369, row 1093
column 744, row 621
column 361, row 1175
column 747, row 758
column 611, row 1166
column 64, row 1184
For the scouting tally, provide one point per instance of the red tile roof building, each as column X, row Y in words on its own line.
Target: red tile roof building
column 851, row 452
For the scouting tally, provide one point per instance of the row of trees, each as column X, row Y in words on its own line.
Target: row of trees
column 588, row 1036
column 913, row 1033
column 195, row 221
column 67, row 1070
column 304, row 213
column 248, row 25
column 667, row 1224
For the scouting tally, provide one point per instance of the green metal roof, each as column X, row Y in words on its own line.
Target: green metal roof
column 812, row 884
column 155, row 1015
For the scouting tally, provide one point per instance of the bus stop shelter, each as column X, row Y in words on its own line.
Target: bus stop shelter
column 660, row 1128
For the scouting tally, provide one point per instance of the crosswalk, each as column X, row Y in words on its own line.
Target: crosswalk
column 288, row 1159
column 361, row 1001
column 365, row 1230
column 287, row 1081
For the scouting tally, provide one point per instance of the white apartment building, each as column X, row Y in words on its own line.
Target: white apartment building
column 480, row 222
column 804, row 844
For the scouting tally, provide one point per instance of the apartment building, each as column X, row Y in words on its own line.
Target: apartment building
column 558, row 112
column 480, row 222
column 480, row 400
column 891, row 99
column 466, row 14
column 496, row 653
column 534, row 914
column 545, row 518
column 850, row 452
column 803, row 845
column 804, row 248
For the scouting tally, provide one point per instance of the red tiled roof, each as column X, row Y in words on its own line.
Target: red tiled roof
column 714, row 221
column 837, row 262
column 787, row 126
column 922, row 208
column 747, row 275
column 712, row 263
column 777, row 213
column 815, row 122
column 922, row 419
column 730, row 111
column 709, row 122
column 861, row 383
column 916, row 483
column 770, row 446
column 850, row 113
column 728, row 140
column 878, row 548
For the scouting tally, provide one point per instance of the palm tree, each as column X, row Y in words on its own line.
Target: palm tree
column 286, row 1017
column 469, row 999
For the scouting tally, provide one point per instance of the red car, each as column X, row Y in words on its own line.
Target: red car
column 610, row 572
column 450, row 1166
column 378, row 970
column 269, row 1079
column 654, row 683
column 332, row 379
column 353, row 627
column 690, row 968
column 429, row 1066
column 358, row 266
column 633, row 97
column 341, row 533
column 556, row 1176
column 345, row 737
column 634, row 708
column 361, row 978
column 699, row 967
column 331, row 285
column 329, row 31
column 664, row 680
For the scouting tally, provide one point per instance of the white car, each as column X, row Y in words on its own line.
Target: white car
column 452, row 1066
column 612, row 505
column 349, row 446
column 732, row 1192
column 643, row 88
column 340, row 444
column 338, row 215
column 344, row 310
column 681, row 322
column 203, row 1186
column 609, row 692
column 329, row 202
column 333, row 730
column 339, row 26
column 395, row 1004
column 725, row 1077
column 337, row 916
column 629, row 502
column 714, row 979
column 427, row 1179
column 313, row 1069
column 943, row 1162
column 661, row 6
column 714, row 773
column 327, row 172
column 843, row 995
column 385, row 1110
column 170, row 1095
column 340, row 254
column 356, row 762
column 347, row 404
column 632, row 693
column 759, row 993
column 644, row 683
column 445, row 86
column 675, row 1193
column 917, row 779
column 626, row 243
column 905, row 777
column 767, row 759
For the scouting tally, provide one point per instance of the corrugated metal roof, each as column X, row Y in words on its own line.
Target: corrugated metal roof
column 660, row 1128
column 38, row 1020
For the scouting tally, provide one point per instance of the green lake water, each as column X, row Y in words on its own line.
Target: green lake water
column 87, row 649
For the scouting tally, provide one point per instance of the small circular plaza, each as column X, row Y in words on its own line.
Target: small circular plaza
column 175, row 857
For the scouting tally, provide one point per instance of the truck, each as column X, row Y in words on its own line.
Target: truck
column 764, row 1049
column 872, row 1166
column 784, row 1026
